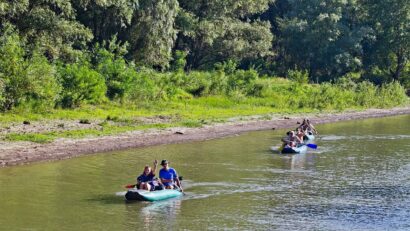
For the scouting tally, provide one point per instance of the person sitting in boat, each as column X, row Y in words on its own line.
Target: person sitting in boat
column 169, row 177
column 310, row 127
column 290, row 144
column 292, row 137
column 300, row 133
column 307, row 127
column 147, row 180
column 304, row 126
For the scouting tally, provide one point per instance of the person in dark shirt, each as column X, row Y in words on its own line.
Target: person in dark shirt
column 146, row 180
column 168, row 176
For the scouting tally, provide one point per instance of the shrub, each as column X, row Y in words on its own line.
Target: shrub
column 143, row 86
column 116, row 72
column 198, row 83
column 44, row 89
column 298, row 76
column 242, row 81
column 391, row 94
column 228, row 67
column 12, row 69
column 366, row 94
column 27, row 80
column 81, row 84
column 179, row 60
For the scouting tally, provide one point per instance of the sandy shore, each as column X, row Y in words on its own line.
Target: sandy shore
column 14, row 153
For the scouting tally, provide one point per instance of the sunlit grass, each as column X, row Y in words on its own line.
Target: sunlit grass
column 281, row 98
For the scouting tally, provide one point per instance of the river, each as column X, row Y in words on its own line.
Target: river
column 357, row 179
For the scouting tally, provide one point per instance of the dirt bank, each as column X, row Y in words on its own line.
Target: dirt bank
column 14, row 153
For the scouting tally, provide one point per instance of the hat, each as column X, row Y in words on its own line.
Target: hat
column 163, row 162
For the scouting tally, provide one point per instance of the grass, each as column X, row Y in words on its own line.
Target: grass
column 114, row 118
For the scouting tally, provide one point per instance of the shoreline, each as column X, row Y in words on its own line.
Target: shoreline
column 19, row 153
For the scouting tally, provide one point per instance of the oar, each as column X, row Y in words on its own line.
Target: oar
column 313, row 146
column 130, row 186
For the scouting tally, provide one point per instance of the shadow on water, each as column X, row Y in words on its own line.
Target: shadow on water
column 108, row 199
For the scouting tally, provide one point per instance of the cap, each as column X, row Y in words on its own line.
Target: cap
column 163, row 162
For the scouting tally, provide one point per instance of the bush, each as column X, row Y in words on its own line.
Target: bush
column 198, row 83
column 44, row 88
column 116, row 72
column 81, row 84
column 242, row 81
column 366, row 94
column 391, row 94
column 12, row 69
column 27, row 80
column 298, row 76
column 179, row 60
column 143, row 87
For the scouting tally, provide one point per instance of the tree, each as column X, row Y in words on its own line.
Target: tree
column 152, row 33
column 216, row 31
column 390, row 21
column 107, row 17
column 324, row 37
column 49, row 25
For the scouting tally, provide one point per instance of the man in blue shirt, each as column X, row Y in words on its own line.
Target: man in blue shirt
column 168, row 176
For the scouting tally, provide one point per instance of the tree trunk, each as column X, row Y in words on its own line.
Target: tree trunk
column 400, row 65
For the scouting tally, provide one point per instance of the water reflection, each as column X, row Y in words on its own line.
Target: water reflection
column 299, row 162
column 154, row 215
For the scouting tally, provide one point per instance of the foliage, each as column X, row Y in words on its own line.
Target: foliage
column 390, row 51
column 78, row 52
column 318, row 37
column 49, row 25
column 116, row 72
column 25, row 79
column 152, row 33
column 301, row 77
column 179, row 60
column 81, row 84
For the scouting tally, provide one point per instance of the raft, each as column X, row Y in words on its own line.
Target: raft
column 309, row 137
column 299, row 149
column 144, row 195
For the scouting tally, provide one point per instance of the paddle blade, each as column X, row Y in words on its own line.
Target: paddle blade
column 130, row 186
column 314, row 146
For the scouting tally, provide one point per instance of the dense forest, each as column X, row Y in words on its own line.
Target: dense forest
column 65, row 53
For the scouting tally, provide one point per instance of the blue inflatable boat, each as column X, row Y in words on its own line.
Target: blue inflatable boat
column 301, row 148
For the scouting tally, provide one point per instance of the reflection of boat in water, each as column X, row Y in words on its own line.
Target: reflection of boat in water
column 298, row 162
column 144, row 195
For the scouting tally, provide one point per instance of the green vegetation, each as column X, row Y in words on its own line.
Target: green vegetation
column 277, row 96
column 119, row 64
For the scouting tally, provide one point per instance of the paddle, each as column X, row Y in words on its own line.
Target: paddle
column 313, row 146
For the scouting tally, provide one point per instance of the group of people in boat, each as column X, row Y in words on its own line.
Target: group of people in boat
column 297, row 137
column 168, row 178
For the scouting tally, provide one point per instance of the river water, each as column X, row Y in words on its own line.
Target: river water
column 357, row 179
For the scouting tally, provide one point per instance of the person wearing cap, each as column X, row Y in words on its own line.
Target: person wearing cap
column 168, row 176
column 146, row 180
